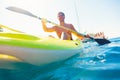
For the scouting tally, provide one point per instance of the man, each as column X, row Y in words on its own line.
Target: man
column 59, row 31
column 67, row 34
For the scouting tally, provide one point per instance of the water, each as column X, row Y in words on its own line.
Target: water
column 93, row 63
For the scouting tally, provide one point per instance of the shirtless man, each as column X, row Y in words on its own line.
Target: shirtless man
column 67, row 35
column 59, row 31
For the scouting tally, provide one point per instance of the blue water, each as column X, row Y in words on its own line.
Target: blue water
column 93, row 63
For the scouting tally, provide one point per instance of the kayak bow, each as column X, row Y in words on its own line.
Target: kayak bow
column 37, row 50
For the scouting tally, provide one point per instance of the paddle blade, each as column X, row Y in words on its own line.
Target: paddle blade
column 19, row 10
column 102, row 41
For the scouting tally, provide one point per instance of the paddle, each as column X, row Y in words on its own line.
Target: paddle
column 22, row 11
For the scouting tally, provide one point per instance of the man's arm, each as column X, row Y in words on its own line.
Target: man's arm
column 45, row 28
column 80, row 36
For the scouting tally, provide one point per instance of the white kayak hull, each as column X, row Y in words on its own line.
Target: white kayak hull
column 37, row 50
column 37, row 56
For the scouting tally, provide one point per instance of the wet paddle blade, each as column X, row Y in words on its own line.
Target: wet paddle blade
column 102, row 41
column 22, row 11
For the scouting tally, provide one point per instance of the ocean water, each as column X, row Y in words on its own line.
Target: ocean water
column 94, row 62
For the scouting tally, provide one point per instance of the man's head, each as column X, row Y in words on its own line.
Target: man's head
column 61, row 13
column 61, row 16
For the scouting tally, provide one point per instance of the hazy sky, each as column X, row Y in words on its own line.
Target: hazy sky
column 88, row 16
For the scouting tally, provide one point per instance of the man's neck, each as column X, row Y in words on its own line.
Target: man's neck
column 62, row 23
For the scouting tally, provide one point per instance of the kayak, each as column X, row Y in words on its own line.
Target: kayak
column 37, row 50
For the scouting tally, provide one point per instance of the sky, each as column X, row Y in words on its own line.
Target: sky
column 87, row 16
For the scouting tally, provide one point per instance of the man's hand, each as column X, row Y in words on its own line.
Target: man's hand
column 43, row 20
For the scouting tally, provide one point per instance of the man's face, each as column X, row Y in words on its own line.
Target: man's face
column 61, row 17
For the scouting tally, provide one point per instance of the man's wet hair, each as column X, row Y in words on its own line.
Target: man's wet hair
column 61, row 13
